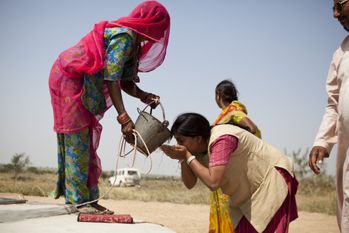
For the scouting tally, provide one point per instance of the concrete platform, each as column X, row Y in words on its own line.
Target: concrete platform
column 36, row 217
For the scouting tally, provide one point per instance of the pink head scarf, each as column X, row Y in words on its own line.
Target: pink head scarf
column 151, row 20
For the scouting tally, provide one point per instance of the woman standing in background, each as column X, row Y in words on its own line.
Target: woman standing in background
column 234, row 112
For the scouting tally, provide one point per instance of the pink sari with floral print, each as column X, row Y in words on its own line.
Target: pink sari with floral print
column 149, row 19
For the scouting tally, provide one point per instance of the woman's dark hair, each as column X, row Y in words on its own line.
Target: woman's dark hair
column 191, row 125
column 227, row 91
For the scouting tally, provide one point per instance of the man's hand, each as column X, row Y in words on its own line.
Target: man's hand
column 316, row 156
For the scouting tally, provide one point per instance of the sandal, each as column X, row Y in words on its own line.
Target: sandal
column 101, row 209
column 87, row 209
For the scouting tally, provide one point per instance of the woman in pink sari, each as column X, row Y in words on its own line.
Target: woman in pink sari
column 87, row 79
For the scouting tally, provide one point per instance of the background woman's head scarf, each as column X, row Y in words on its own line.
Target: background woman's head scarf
column 151, row 20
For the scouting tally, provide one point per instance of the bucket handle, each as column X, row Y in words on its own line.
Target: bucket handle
column 165, row 122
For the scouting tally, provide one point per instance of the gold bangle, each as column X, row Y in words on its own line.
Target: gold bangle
column 127, row 121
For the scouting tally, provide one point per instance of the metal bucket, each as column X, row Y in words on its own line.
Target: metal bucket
column 153, row 132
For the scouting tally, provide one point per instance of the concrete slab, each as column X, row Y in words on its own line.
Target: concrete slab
column 34, row 218
column 19, row 212
column 7, row 201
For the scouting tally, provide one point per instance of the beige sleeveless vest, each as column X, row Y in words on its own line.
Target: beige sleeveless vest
column 256, row 188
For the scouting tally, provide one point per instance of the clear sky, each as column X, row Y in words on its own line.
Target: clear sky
column 276, row 52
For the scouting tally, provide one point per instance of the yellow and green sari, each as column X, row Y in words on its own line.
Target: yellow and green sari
column 220, row 221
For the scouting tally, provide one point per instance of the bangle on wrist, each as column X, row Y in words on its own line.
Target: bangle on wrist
column 125, row 122
column 123, row 118
column 190, row 159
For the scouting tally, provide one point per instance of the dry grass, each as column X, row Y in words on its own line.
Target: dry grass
column 319, row 204
column 316, row 194
column 151, row 189
column 163, row 190
column 28, row 183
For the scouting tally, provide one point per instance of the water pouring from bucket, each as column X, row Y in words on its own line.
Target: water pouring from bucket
column 152, row 133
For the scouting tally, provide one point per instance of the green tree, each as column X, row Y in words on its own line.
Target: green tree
column 18, row 163
column 301, row 163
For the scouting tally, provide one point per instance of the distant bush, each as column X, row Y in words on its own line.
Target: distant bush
column 40, row 170
column 106, row 174
column 160, row 177
column 301, row 166
column 19, row 162
column 6, row 168
column 35, row 170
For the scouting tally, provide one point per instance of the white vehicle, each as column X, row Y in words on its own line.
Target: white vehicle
column 126, row 177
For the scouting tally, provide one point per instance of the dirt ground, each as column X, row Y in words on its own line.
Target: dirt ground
column 191, row 218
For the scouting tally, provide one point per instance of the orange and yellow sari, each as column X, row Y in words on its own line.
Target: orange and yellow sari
column 235, row 112
column 220, row 221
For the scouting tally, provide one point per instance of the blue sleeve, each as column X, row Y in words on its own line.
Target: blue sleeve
column 118, row 52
